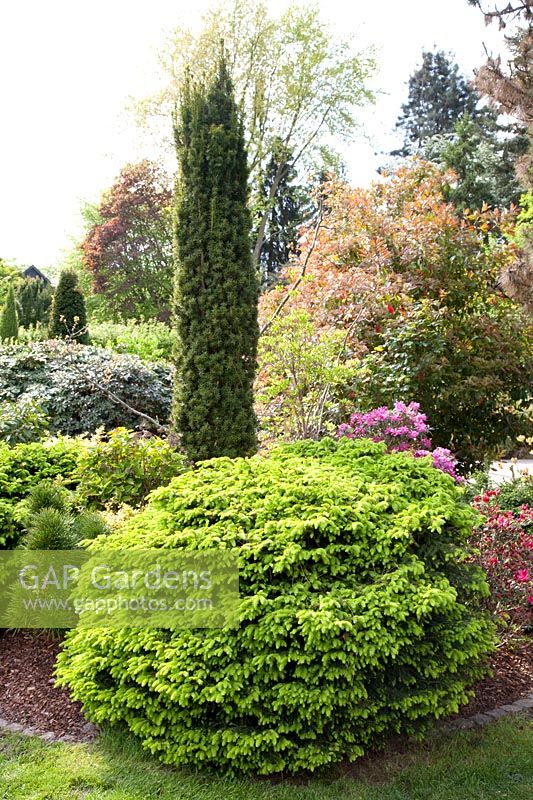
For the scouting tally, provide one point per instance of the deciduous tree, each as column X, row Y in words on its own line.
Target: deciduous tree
column 128, row 251
column 299, row 87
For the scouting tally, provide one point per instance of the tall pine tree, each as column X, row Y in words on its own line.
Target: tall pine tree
column 216, row 287
column 68, row 316
column 9, row 326
column 288, row 210
column 438, row 97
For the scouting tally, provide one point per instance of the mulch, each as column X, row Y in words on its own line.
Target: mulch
column 28, row 695
column 512, row 678
column 27, row 692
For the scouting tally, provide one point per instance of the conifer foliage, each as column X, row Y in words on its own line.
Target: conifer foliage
column 9, row 326
column 438, row 97
column 68, row 316
column 216, row 289
column 34, row 298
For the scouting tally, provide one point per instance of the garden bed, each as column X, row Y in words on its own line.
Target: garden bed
column 28, row 695
column 27, row 692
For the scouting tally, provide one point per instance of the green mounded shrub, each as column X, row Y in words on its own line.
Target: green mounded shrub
column 150, row 341
column 22, row 421
column 357, row 619
column 74, row 384
column 124, row 467
column 23, row 466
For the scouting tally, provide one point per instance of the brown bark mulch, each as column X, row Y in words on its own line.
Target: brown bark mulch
column 512, row 678
column 28, row 695
column 27, row 692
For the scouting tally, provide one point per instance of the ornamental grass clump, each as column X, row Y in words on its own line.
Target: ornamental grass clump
column 357, row 616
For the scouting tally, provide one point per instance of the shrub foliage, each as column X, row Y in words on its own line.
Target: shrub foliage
column 124, row 467
column 68, row 315
column 357, row 614
column 73, row 384
column 23, row 466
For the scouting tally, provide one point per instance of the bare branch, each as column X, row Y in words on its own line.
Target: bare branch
column 300, row 278
column 162, row 429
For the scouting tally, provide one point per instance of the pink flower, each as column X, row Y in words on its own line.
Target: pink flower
column 522, row 575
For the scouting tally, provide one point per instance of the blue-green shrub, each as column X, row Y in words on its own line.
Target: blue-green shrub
column 357, row 616
column 74, row 385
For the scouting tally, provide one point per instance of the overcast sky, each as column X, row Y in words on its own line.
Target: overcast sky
column 68, row 69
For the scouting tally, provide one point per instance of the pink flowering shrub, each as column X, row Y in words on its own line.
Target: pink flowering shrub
column 402, row 428
column 504, row 543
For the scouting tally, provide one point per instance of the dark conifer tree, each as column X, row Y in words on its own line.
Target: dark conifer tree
column 68, row 316
column 34, row 297
column 288, row 211
column 438, row 97
column 216, row 289
column 9, row 326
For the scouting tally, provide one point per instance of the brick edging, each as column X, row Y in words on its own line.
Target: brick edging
column 87, row 733
column 477, row 720
column 89, row 730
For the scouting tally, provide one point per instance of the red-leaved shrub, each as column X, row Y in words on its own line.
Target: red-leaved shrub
column 504, row 542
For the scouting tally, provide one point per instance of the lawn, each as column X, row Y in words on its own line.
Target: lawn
column 493, row 762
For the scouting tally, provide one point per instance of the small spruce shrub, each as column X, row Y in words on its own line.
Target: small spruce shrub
column 52, row 523
column 9, row 325
column 24, row 465
column 358, row 615
column 47, row 494
column 68, row 315
column 49, row 529
column 34, row 298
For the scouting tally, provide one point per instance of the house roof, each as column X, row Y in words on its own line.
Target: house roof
column 33, row 272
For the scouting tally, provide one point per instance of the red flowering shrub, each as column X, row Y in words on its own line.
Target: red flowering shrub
column 504, row 542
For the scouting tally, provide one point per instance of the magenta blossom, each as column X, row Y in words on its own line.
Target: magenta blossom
column 403, row 428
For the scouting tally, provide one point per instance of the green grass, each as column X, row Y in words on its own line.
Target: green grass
column 495, row 762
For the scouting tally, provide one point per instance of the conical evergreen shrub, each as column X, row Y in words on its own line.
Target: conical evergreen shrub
column 34, row 298
column 68, row 316
column 216, row 288
column 9, row 326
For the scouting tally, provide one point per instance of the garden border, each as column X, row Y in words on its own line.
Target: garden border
column 89, row 730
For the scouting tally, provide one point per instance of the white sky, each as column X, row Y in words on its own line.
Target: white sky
column 68, row 68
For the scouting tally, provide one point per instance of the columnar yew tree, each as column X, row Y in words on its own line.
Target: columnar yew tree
column 9, row 326
column 216, row 289
column 68, row 316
